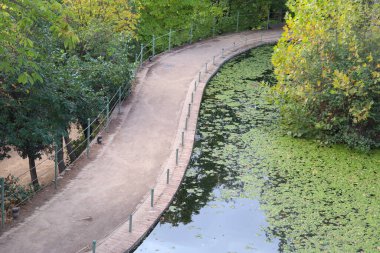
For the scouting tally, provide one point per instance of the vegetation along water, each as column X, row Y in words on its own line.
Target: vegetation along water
column 251, row 188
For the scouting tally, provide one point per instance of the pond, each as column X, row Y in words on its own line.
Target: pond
column 250, row 188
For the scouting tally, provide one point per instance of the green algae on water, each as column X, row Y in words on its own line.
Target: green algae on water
column 316, row 199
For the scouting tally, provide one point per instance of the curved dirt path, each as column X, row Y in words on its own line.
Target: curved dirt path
column 135, row 154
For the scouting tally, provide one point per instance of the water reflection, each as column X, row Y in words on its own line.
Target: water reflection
column 234, row 226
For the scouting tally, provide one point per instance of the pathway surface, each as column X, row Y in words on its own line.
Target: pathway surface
column 114, row 182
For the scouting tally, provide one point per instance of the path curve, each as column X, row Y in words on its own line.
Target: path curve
column 133, row 159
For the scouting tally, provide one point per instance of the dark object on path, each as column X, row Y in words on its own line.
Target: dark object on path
column 99, row 140
column 15, row 212
column 275, row 26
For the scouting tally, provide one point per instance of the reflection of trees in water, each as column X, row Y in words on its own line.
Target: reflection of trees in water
column 205, row 176
column 220, row 118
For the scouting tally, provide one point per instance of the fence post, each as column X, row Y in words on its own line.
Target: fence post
column 108, row 114
column 2, row 202
column 237, row 21
column 182, row 139
column 188, row 113
column 130, row 223
column 151, row 197
column 119, row 100
column 186, row 123
column 167, row 176
column 141, row 54
column 195, row 86
column 191, row 33
column 170, row 39
column 93, row 246
column 192, row 97
column 55, row 165
column 213, row 27
column 88, row 136
column 154, row 46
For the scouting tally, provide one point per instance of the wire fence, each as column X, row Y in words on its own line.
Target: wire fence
column 170, row 168
column 99, row 125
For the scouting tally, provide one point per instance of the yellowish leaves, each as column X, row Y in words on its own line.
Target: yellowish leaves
column 370, row 58
column 116, row 13
column 360, row 111
column 341, row 80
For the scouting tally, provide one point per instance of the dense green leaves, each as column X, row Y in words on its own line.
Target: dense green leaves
column 333, row 92
column 58, row 67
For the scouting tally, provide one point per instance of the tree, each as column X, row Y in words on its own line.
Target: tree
column 18, row 51
column 333, row 92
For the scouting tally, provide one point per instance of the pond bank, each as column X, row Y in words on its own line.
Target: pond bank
column 249, row 188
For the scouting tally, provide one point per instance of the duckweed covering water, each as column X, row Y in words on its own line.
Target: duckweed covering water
column 315, row 199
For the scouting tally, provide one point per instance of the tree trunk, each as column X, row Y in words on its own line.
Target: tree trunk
column 33, row 172
column 70, row 149
column 61, row 161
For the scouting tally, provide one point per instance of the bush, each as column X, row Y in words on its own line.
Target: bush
column 327, row 64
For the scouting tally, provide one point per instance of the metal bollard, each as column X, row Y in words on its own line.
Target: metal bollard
column 183, row 139
column 130, row 223
column 192, row 97
column 88, row 137
column 186, row 123
column 191, row 34
column 237, row 21
column 176, row 157
column 167, row 176
column 141, row 54
column 119, row 102
column 2, row 202
column 170, row 39
column 195, row 85
column 153, row 45
column 188, row 112
column 151, row 197
column 55, row 165
column 108, row 114
column 93, row 246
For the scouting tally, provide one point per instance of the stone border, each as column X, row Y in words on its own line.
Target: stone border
column 146, row 217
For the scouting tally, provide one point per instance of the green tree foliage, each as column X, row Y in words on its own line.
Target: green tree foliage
column 57, row 68
column 18, row 51
column 203, row 17
column 328, row 69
